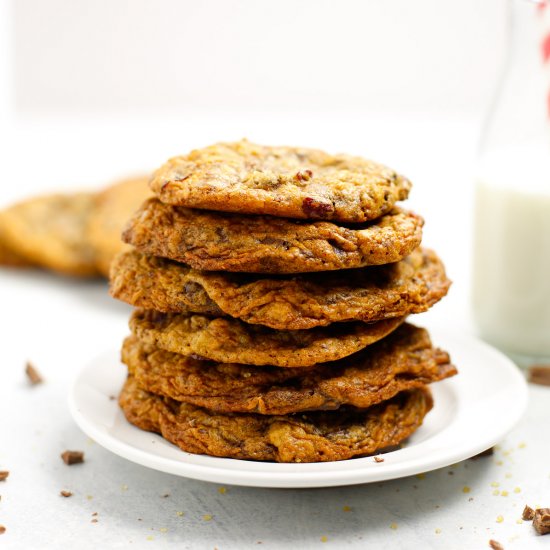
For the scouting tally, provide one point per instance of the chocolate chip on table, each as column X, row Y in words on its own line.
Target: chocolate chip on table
column 72, row 457
column 495, row 545
column 528, row 513
column 541, row 521
column 539, row 374
column 2, row 529
column 4, row 475
column 65, row 494
column 32, row 374
column 487, row 452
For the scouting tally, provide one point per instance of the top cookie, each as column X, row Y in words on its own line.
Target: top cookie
column 292, row 182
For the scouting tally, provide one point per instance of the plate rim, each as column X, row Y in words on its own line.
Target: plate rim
column 299, row 477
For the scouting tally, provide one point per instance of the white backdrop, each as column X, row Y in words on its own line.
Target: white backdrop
column 96, row 90
column 136, row 56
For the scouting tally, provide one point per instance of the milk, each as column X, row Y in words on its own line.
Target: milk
column 511, row 279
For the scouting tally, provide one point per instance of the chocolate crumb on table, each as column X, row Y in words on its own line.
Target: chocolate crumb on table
column 65, row 494
column 541, row 521
column 495, row 545
column 487, row 452
column 2, row 529
column 72, row 457
column 4, row 475
column 32, row 374
column 539, row 374
column 528, row 513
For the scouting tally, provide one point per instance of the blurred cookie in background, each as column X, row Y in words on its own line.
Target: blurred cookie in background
column 114, row 207
column 73, row 234
column 9, row 257
column 49, row 231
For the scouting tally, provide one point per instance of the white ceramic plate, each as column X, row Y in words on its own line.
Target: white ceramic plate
column 472, row 412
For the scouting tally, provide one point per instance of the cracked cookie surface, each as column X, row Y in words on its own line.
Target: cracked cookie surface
column 229, row 340
column 292, row 182
column 412, row 285
column 266, row 244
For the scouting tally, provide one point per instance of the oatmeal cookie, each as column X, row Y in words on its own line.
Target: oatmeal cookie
column 282, row 302
column 291, row 182
column 229, row 340
column 313, row 437
column 403, row 360
column 265, row 244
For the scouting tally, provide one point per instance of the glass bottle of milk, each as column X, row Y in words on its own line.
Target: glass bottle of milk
column 511, row 276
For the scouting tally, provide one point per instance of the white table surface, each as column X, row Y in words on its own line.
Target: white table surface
column 59, row 324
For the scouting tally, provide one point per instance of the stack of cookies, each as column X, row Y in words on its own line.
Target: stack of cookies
column 271, row 287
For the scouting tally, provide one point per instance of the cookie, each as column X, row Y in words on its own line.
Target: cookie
column 402, row 361
column 285, row 302
column 150, row 282
column 50, row 232
column 291, row 182
column 228, row 340
column 9, row 257
column 313, row 437
column 113, row 209
column 265, row 244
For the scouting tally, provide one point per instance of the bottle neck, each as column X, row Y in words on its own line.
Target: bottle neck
column 520, row 111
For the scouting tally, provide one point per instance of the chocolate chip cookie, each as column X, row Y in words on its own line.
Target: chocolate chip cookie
column 265, row 244
column 229, row 340
column 291, row 182
column 282, row 302
column 403, row 360
column 49, row 231
column 317, row 436
column 113, row 209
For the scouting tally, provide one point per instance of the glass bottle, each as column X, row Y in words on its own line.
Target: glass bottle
column 511, row 268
